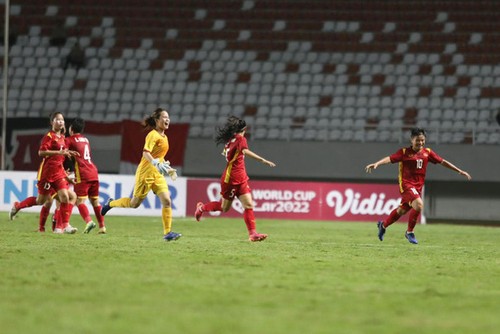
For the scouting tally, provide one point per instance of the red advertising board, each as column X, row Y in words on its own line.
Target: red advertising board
column 305, row 200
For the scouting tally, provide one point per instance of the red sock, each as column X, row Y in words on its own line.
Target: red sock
column 99, row 217
column 393, row 217
column 84, row 212
column 412, row 220
column 44, row 214
column 59, row 217
column 64, row 213
column 212, row 206
column 249, row 218
column 26, row 203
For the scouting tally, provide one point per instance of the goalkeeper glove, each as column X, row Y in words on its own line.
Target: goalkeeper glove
column 170, row 171
column 159, row 166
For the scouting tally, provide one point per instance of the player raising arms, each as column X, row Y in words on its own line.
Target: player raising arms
column 151, row 172
column 86, row 176
column 234, row 180
column 413, row 162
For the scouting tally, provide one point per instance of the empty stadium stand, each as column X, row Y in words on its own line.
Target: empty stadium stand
column 336, row 70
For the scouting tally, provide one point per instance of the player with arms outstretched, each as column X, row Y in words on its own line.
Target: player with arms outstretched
column 413, row 162
column 234, row 180
column 151, row 172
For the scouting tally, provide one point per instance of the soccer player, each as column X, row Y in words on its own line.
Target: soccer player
column 151, row 172
column 86, row 176
column 413, row 162
column 234, row 180
column 52, row 177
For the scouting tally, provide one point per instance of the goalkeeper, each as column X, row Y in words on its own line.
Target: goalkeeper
column 151, row 172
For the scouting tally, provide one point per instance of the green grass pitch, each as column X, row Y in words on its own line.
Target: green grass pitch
column 308, row 277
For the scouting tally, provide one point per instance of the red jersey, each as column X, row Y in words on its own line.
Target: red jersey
column 85, row 170
column 235, row 172
column 413, row 166
column 51, row 169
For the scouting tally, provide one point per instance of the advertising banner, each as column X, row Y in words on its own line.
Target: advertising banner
column 304, row 200
column 272, row 199
column 16, row 186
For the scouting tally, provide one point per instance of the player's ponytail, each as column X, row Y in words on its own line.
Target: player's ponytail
column 233, row 125
column 150, row 122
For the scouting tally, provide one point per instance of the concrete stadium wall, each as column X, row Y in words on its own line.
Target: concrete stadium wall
column 448, row 195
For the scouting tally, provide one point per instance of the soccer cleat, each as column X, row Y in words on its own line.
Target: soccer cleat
column 411, row 237
column 254, row 237
column 40, row 229
column 199, row 211
column 105, row 208
column 13, row 211
column 89, row 227
column 58, row 231
column 172, row 236
column 102, row 230
column 381, row 230
column 70, row 230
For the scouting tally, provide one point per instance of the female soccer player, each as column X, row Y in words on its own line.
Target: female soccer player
column 413, row 162
column 151, row 172
column 86, row 176
column 52, row 175
column 234, row 180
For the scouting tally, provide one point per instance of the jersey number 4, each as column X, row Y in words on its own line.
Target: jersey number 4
column 86, row 153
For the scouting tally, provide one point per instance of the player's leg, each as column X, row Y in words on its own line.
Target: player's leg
column 93, row 193
column 26, row 203
column 44, row 214
column 160, row 188
column 84, row 212
column 67, row 200
column 141, row 189
column 81, row 190
column 244, row 194
column 228, row 194
column 166, row 216
column 208, row 207
column 416, row 208
column 97, row 211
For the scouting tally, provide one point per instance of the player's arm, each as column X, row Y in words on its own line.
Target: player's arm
column 451, row 166
column 383, row 161
column 67, row 153
column 257, row 157
column 147, row 155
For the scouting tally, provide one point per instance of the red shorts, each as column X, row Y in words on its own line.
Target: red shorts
column 50, row 188
column 87, row 188
column 230, row 191
column 408, row 196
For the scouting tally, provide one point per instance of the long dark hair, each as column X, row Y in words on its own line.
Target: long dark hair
column 149, row 122
column 233, row 125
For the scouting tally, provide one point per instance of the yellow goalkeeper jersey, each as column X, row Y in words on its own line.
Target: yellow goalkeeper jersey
column 157, row 145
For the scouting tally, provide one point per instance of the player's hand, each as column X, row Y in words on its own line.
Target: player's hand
column 269, row 163
column 370, row 167
column 159, row 166
column 464, row 173
column 172, row 172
